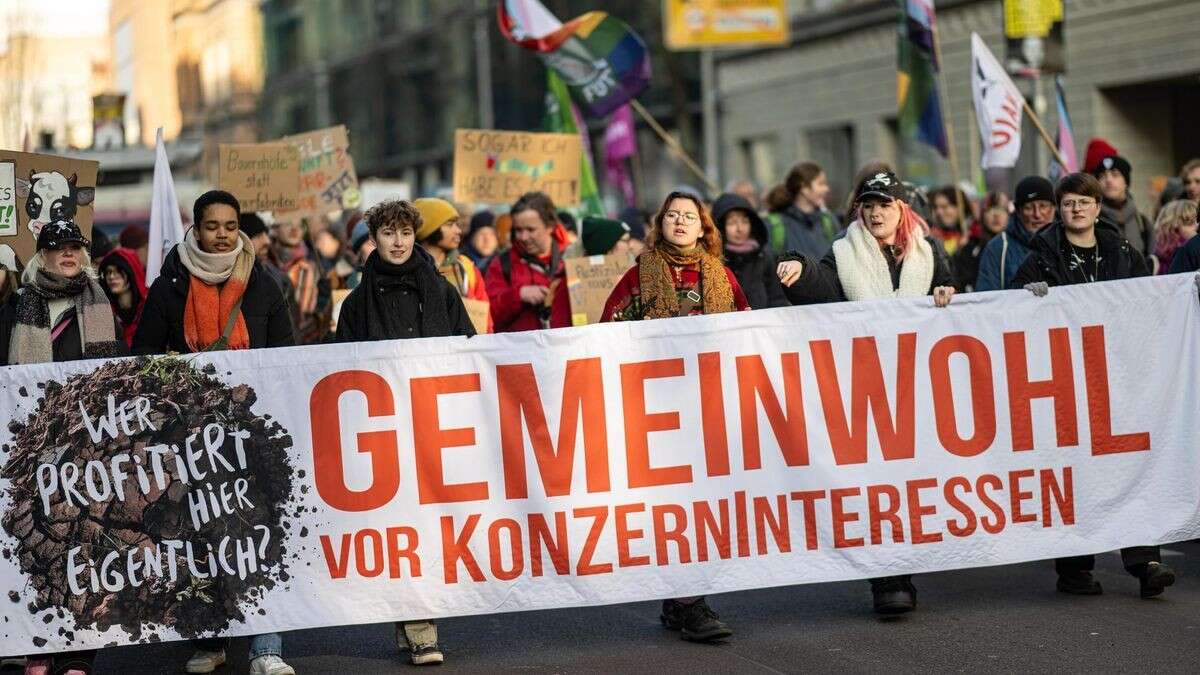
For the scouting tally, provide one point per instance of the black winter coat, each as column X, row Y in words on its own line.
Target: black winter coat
column 1048, row 257
column 400, row 298
column 755, row 271
column 161, row 330
column 66, row 348
column 819, row 282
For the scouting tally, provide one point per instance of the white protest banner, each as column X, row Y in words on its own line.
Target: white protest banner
column 274, row 490
column 998, row 107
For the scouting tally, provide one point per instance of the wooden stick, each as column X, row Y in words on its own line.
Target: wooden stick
column 1045, row 136
column 674, row 145
column 949, row 129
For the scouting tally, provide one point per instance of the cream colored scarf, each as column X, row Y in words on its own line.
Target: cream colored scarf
column 863, row 269
column 211, row 268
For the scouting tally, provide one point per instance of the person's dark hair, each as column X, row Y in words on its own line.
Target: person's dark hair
column 801, row 176
column 394, row 212
column 1084, row 184
column 539, row 202
column 710, row 236
column 101, row 244
column 956, row 197
column 251, row 224
column 10, row 285
column 214, row 197
column 568, row 221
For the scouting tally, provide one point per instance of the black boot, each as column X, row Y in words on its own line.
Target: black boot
column 1154, row 579
column 695, row 621
column 894, row 595
column 1078, row 583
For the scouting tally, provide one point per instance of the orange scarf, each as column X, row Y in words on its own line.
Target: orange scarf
column 208, row 307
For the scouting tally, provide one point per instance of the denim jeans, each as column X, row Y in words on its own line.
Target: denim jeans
column 260, row 645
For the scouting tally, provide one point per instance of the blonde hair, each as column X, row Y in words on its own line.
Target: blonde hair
column 1168, row 236
column 29, row 276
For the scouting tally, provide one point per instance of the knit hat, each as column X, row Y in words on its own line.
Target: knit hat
column 434, row 213
column 635, row 218
column 359, row 235
column 1032, row 189
column 601, row 234
column 133, row 237
column 480, row 220
column 251, row 224
column 1097, row 149
column 1114, row 163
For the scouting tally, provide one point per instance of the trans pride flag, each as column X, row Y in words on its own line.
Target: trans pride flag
column 920, row 110
column 603, row 62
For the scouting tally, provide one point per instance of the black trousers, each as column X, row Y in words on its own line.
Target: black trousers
column 211, row 644
column 1134, row 558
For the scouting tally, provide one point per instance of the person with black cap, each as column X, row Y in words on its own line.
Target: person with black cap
column 1004, row 254
column 1114, row 172
column 61, row 313
column 747, row 251
column 886, row 253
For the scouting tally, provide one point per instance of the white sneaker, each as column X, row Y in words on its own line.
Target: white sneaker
column 205, row 662
column 269, row 664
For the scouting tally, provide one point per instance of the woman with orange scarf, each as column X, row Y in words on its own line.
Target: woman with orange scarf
column 212, row 293
column 680, row 274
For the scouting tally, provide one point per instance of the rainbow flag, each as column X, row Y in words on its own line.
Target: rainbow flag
column 1065, row 136
column 603, row 62
column 920, row 110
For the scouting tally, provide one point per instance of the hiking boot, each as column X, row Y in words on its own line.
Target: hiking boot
column 695, row 621
column 1079, row 583
column 420, row 640
column 204, row 662
column 270, row 664
column 1155, row 578
column 893, row 595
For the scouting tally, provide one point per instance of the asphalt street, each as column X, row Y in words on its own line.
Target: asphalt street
column 999, row 619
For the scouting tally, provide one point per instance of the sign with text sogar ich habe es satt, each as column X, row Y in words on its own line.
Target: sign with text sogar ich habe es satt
column 497, row 167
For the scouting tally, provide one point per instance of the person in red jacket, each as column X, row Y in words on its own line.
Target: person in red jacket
column 125, row 283
column 527, row 285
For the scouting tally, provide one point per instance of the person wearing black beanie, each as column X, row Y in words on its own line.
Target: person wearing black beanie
column 1034, row 209
column 1114, row 173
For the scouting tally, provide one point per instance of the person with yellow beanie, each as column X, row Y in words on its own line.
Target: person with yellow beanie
column 440, row 236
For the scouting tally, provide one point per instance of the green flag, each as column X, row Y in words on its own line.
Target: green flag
column 562, row 118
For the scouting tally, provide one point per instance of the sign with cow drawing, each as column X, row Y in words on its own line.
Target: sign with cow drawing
column 36, row 190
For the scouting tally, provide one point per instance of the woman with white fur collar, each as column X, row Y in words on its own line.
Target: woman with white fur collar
column 885, row 253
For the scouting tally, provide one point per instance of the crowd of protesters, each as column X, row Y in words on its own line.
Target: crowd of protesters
column 410, row 270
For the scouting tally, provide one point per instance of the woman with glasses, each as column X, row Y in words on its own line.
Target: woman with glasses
column 680, row 274
column 1072, row 249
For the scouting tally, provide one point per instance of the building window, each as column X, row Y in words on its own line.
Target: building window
column 833, row 149
column 758, row 156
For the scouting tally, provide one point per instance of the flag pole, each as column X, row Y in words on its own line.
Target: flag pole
column 947, row 126
column 1042, row 131
column 674, row 145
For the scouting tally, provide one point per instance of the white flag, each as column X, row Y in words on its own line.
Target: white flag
column 998, row 107
column 166, row 227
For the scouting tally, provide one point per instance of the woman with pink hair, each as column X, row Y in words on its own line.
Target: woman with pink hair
column 1176, row 224
column 886, row 253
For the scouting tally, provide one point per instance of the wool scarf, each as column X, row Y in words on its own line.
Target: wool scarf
column 218, row 282
column 657, row 283
column 377, row 321
column 863, row 269
column 32, row 336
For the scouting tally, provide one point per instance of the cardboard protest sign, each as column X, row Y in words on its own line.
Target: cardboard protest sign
column 39, row 189
column 497, row 167
column 328, row 181
column 590, row 280
column 263, row 176
column 338, row 297
column 478, row 311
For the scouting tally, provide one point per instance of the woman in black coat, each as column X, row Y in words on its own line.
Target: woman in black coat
column 747, row 252
column 216, row 262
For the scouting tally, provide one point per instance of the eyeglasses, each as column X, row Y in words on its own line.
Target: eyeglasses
column 689, row 218
column 1081, row 204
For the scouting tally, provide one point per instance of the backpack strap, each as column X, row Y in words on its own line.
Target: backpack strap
column 506, row 267
column 777, row 231
column 1003, row 259
column 222, row 342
